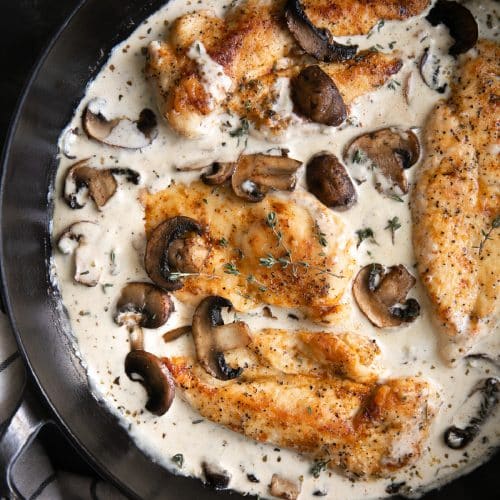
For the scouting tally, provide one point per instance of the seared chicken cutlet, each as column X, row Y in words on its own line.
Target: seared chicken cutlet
column 456, row 205
column 367, row 429
column 209, row 64
column 245, row 248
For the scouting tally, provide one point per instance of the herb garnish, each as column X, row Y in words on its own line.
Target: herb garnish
column 395, row 197
column 393, row 225
column 241, row 130
column 230, row 268
column 320, row 235
column 487, row 234
column 358, row 156
column 364, row 234
column 393, row 84
column 318, row 468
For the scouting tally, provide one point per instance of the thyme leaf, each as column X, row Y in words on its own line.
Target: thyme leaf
column 393, row 225
column 364, row 234
column 495, row 224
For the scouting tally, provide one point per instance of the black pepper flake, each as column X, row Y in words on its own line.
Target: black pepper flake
column 252, row 478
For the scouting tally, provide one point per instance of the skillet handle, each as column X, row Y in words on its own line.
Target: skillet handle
column 22, row 428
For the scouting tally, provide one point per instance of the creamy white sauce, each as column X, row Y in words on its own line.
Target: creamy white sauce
column 102, row 345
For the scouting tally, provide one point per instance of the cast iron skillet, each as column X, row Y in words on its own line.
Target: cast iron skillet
column 41, row 326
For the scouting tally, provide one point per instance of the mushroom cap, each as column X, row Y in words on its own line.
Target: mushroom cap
column 221, row 172
column 256, row 174
column 154, row 376
column 379, row 293
column 119, row 132
column 143, row 304
column 391, row 151
column 206, row 319
column 316, row 96
column 328, row 180
column 459, row 21
column 158, row 258
column 316, row 42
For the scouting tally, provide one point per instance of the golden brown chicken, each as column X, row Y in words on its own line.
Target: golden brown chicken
column 456, row 204
column 243, row 264
column 237, row 63
column 366, row 429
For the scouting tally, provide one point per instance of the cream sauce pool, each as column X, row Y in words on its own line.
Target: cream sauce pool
column 120, row 242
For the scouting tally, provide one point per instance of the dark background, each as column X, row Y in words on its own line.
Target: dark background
column 26, row 27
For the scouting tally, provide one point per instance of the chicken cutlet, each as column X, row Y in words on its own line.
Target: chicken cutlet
column 456, row 204
column 209, row 64
column 367, row 429
column 253, row 261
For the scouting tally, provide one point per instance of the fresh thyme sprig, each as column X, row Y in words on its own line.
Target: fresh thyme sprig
column 272, row 222
column 320, row 235
column 270, row 261
column 495, row 224
column 230, row 268
column 175, row 276
column 393, row 225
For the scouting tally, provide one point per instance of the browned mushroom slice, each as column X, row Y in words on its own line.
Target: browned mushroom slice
column 431, row 71
column 206, row 319
column 381, row 295
column 316, row 96
column 143, row 304
column 175, row 248
column 119, row 132
column 176, row 333
column 390, row 152
column 459, row 21
column 100, row 183
column 284, row 488
column 316, row 42
column 153, row 374
column 220, row 173
column 257, row 174
column 328, row 180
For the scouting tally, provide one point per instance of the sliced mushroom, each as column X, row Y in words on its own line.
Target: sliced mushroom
column 390, row 152
column 434, row 71
column 459, row 21
column 257, row 174
column 81, row 239
column 206, row 319
column 119, row 132
column 284, row 488
column 316, row 96
column 100, row 183
column 176, row 333
column 315, row 41
column 328, row 180
column 143, row 304
column 171, row 251
column 153, row 374
column 221, row 172
column 216, row 478
column 381, row 295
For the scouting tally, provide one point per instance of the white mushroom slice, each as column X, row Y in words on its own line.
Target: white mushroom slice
column 119, row 132
column 81, row 239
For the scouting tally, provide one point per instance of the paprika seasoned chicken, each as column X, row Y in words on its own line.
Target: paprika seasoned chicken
column 272, row 252
column 456, row 205
column 243, row 63
column 367, row 429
